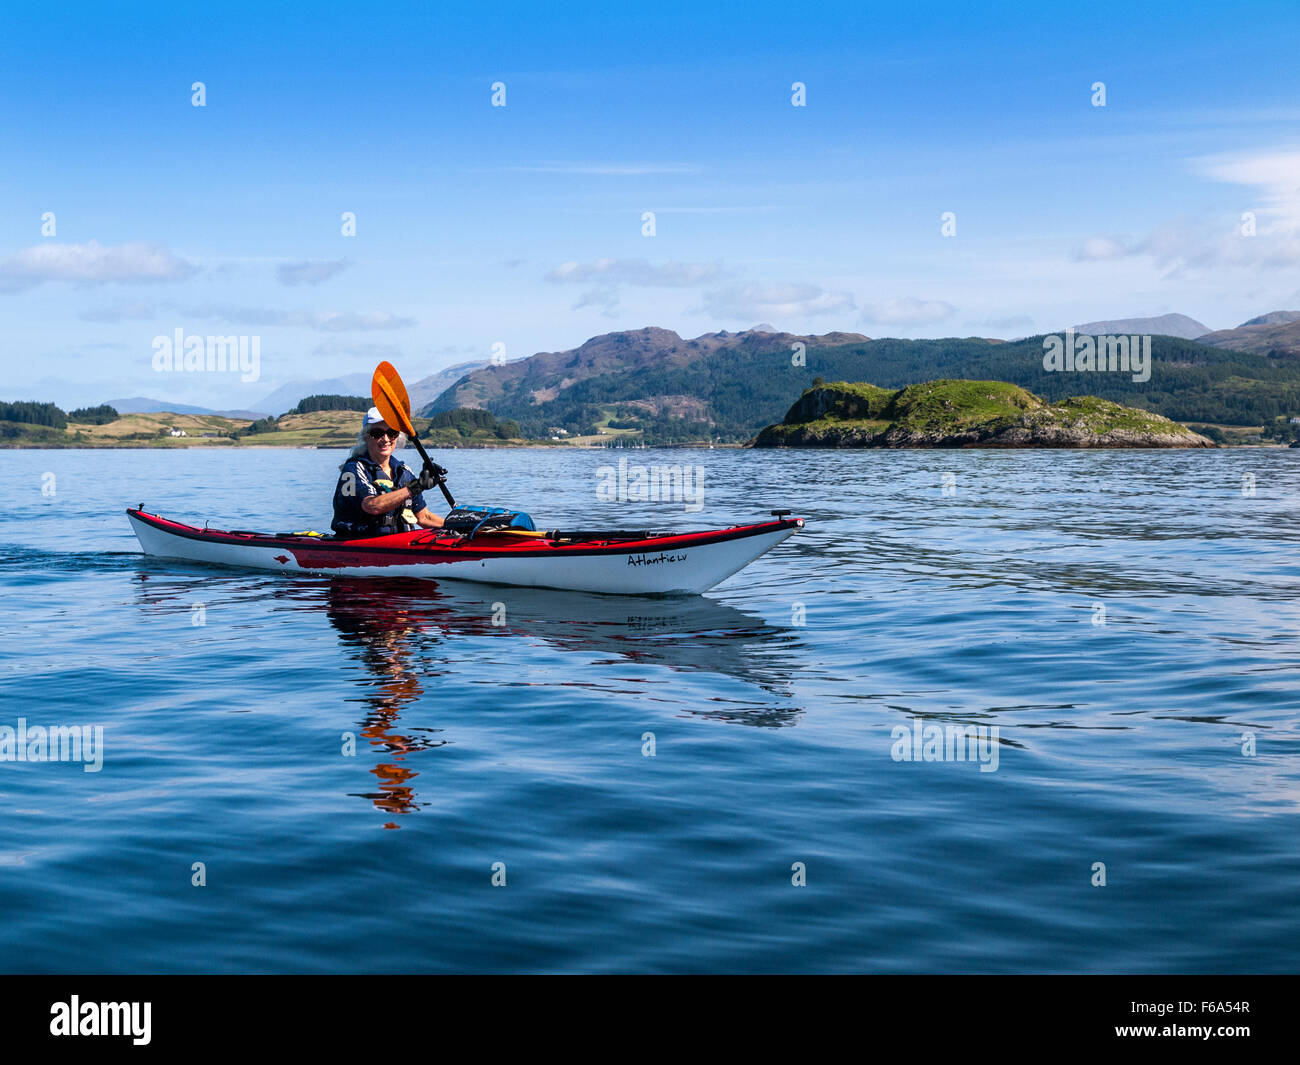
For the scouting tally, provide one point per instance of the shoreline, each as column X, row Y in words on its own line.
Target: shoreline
column 551, row 445
column 539, row 446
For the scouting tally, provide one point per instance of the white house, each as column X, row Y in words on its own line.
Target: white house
column 176, row 432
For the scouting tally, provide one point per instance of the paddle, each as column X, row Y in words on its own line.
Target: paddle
column 389, row 394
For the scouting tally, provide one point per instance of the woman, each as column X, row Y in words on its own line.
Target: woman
column 377, row 493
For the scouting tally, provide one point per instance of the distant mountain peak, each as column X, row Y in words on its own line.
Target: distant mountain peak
column 648, row 334
column 1170, row 325
column 148, row 405
column 1276, row 335
column 1272, row 318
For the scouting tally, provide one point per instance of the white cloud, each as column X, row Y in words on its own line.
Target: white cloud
column 122, row 312
column 907, row 311
column 364, row 352
column 1181, row 245
column 1099, row 249
column 604, row 300
column 309, row 271
column 783, row 302
column 92, row 263
column 327, row 321
column 1012, row 321
column 636, row 272
column 1274, row 175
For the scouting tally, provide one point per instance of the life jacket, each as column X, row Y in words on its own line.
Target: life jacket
column 361, row 478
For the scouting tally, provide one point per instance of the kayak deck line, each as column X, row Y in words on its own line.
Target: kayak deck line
column 633, row 564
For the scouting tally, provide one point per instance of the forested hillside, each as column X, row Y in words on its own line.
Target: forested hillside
column 730, row 392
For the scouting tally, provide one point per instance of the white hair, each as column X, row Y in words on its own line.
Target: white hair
column 362, row 446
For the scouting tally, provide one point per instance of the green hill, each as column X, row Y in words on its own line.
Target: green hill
column 960, row 414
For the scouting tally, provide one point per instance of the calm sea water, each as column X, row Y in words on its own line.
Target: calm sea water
column 1127, row 621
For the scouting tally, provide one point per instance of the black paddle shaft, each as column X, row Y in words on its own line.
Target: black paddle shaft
column 434, row 467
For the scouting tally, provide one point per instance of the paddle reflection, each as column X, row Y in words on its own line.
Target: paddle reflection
column 386, row 633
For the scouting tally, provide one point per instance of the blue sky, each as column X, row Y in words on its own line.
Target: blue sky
column 523, row 224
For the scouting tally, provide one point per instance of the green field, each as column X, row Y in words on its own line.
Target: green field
column 332, row 428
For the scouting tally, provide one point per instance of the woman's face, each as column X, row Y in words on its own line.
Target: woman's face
column 381, row 447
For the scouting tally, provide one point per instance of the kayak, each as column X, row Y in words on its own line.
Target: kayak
column 610, row 562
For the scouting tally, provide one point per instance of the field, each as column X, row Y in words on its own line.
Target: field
column 317, row 429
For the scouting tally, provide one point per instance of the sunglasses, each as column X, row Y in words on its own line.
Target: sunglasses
column 375, row 434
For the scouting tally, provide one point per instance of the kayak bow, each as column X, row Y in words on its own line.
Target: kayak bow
column 654, row 564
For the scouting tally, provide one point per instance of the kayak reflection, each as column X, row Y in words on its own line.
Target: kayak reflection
column 395, row 623
column 402, row 632
column 399, row 629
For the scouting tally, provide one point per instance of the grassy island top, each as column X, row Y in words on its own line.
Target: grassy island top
column 958, row 413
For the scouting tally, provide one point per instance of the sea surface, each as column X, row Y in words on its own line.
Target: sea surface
column 323, row 774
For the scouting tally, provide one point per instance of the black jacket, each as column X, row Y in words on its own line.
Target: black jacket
column 361, row 478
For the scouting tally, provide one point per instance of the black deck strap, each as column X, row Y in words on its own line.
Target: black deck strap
column 603, row 534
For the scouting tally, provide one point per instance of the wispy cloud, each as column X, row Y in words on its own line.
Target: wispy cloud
column 309, row 271
column 907, row 311
column 122, row 312
column 1182, row 245
column 1270, row 239
column 637, row 272
column 734, row 208
column 1103, row 248
column 1274, row 175
column 606, row 169
column 604, row 300
column 1014, row 321
column 730, row 208
column 92, row 263
column 758, row 301
column 327, row 321
column 366, row 353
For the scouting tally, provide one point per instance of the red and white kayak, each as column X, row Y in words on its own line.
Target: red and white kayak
column 610, row 563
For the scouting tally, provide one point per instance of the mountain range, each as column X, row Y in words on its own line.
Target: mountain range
column 289, row 395
column 421, row 392
column 145, row 405
column 1276, row 333
column 727, row 385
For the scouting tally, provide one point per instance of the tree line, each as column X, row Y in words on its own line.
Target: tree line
column 28, row 413
column 311, row 404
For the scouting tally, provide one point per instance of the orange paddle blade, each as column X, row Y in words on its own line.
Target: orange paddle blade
column 389, row 394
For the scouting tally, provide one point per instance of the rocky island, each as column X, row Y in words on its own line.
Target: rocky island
column 962, row 414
